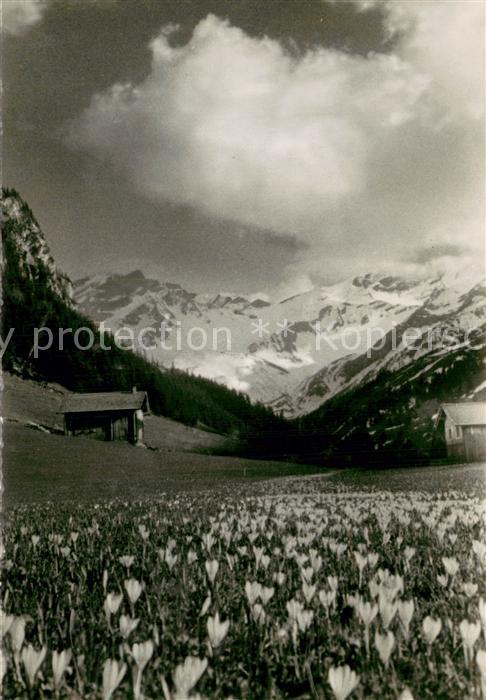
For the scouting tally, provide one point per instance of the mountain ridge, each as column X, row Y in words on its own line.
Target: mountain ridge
column 283, row 366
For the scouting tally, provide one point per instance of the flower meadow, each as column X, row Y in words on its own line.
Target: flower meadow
column 317, row 593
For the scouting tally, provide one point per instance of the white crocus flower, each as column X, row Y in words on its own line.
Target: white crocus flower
column 187, row 675
column 212, row 567
column 308, row 592
column 332, row 582
column 60, row 663
column 372, row 559
column 217, row 630
column 5, row 622
column 482, row 615
column 481, row 662
column 133, row 589
column 343, row 681
column 470, row 588
column 142, row 653
column 32, row 660
column 388, row 610
column 253, row 591
column 304, row 619
column 367, row 612
column 470, row 632
column 384, row 644
column 266, row 594
column 405, row 613
column 127, row 625
column 431, row 628
column 258, row 613
column 327, row 598
column 127, row 560
column 451, row 565
column 112, row 603
column 113, row 673
column 17, row 633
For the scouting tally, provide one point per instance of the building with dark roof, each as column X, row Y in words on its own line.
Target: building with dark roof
column 464, row 429
column 117, row 415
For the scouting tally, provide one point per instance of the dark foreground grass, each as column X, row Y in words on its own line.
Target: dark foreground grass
column 434, row 479
column 39, row 467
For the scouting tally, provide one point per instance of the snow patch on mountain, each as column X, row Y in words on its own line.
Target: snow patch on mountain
column 296, row 353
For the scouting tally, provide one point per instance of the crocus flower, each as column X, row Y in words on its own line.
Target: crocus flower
column 308, row 592
column 304, row 619
column 112, row 603
column 470, row 632
column 17, row 633
column 253, row 591
column 482, row 615
column 142, row 653
column 332, row 582
column 405, row 613
column 470, row 589
column 113, row 673
column 293, row 609
column 217, row 630
column 133, row 589
column 367, row 612
column 388, row 610
column 60, row 663
column 451, row 565
column 431, row 629
column 127, row 560
column 212, row 567
column 481, row 662
column 384, row 644
column 342, row 681
column 372, row 559
column 32, row 660
column 127, row 625
column 409, row 554
column 170, row 559
column 187, row 674
column 266, row 594
column 327, row 598
column 258, row 613
column 5, row 622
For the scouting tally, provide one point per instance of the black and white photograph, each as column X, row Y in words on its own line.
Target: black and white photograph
column 243, row 350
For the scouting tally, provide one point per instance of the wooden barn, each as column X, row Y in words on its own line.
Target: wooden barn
column 464, row 429
column 115, row 415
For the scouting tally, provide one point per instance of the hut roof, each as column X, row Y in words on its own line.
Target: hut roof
column 105, row 401
column 467, row 413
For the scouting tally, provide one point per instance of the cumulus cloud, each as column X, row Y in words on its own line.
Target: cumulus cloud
column 18, row 16
column 358, row 157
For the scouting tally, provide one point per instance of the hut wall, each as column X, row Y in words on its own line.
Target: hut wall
column 475, row 443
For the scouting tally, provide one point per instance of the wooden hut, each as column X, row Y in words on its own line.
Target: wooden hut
column 464, row 429
column 117, row 415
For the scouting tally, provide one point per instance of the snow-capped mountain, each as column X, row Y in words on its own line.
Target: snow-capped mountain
column 293, row 354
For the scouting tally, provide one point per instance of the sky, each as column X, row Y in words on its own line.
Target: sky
column 249, row 146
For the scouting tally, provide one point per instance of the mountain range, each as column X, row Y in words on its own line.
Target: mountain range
column 295, row 354
column 350, row 373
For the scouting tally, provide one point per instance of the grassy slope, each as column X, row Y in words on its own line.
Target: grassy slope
column 39, row 467
column 27, row 401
